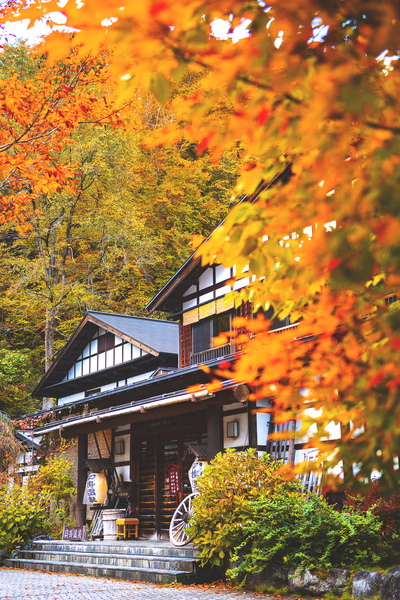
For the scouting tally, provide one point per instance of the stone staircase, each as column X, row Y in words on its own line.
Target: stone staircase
column 146, row 560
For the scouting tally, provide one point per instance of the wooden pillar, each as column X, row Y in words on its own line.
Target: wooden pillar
column 134, row 473
column 214, row 431
column 82, row 456
column 157, row 487
column 252, row 424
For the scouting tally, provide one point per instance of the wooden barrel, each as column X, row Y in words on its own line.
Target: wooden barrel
column 110, row 516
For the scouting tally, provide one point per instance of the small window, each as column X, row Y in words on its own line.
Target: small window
column 221, row 323
column 390, row 299
column 92, row 392
column 120, row 447
column 202, row 335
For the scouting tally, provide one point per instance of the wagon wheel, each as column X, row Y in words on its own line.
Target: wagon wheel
column 180, row 521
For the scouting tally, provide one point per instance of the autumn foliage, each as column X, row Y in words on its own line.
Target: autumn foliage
column 316, row 108
column 38, row 114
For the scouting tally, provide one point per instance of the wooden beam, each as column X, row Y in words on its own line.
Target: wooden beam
column 81, row 483
column 252, row 424
column 214, row 430
column 171, row 410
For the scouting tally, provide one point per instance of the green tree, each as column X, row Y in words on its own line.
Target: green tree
column 16, row 378
column 10, row 448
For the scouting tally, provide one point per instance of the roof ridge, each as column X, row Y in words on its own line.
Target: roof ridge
column 101, row 312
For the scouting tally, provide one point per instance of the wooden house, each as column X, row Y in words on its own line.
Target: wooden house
column 121, row 386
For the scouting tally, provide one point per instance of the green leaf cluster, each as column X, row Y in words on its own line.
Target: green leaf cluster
column 302, row 530
column 15, row 382
column 23, row 516
column 54, row 479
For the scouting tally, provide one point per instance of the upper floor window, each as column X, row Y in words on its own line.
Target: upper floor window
column 205, row 330
column 104, row 351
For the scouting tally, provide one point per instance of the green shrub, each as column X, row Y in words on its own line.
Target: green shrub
column 246, row 508
column 23, row 516
column 300, row 531
column 54, row 481
column 228, row 487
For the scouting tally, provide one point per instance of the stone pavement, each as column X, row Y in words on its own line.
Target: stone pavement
column 16, row 584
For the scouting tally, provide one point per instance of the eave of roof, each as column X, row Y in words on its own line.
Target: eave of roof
column 79, row 339
column 142, row 389
column 142, row 406
column 132, row 368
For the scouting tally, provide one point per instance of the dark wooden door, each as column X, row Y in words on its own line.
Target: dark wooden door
column 153, row 454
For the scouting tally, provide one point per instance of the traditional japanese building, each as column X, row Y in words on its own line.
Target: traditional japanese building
column 121, row 385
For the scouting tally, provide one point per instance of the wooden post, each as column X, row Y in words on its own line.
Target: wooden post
column 157, row 490
column 214, row 431
column 252, row 425
column 82, row 456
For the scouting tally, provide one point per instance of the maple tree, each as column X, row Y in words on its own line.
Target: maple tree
column 39, row 110
column 310, row 96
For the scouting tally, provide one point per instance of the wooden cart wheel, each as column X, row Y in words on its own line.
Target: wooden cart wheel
column 180, row 521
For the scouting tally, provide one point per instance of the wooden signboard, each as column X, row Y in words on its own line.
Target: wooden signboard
column 76, row 534
column 174, row 476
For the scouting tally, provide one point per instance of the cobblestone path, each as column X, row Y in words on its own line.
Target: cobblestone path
column 16, row 584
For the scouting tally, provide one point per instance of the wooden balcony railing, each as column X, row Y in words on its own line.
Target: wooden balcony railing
column 212, row 353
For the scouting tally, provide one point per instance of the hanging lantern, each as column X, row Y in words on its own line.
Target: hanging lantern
column 96, row 488
column 195, row 471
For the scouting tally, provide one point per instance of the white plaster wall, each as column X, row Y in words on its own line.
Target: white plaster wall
column 206, row 297
column 222, row 273
column 206, row 279
column 243, row 439
column 222, row 291
column 189, row 304
column 140, row 377
column 190, row 290
column 234, row 406
column 123, row 427
column 241, row 283
column 125, row 472
column 126, row 455
column 263, row 420
column 71, row 398
column 109, row 386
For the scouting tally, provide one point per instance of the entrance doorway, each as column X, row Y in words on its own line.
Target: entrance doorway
column 153, row 453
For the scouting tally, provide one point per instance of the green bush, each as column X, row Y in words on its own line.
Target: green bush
column 246, row 508
column 23, row 516
column 228, row 488
column 299, row 531
column 54, row 481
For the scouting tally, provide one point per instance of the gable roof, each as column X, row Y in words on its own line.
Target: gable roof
column 155, row 336
column 152, row 335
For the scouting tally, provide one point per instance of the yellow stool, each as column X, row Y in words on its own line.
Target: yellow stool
column 127, row 528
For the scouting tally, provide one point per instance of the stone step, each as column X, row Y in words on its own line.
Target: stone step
column 147, row 547
column 152, row 561
column 115, row 572
column 142, row 561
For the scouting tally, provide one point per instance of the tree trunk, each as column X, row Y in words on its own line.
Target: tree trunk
column 49, row 332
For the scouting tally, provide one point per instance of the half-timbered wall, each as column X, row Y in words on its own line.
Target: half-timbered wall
column 104, row 351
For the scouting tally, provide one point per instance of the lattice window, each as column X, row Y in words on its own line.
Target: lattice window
column 282, row 449
column 186, row 344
